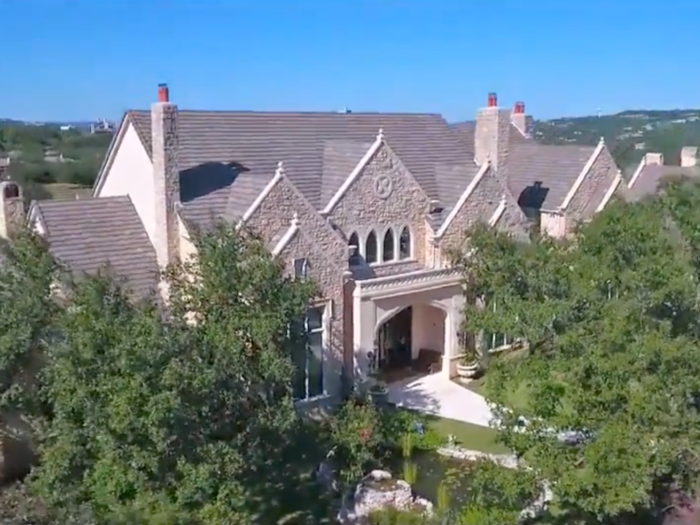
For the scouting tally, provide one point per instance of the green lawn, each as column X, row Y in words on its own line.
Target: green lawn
column 469, row 436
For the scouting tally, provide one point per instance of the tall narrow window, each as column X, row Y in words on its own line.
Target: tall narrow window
column 301, row 269
column 388, row 246
column 354, row 246
column 405, row 243
column 371, row 248
column 496, row 340
column 308, row 358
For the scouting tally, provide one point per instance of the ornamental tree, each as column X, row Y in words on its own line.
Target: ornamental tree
column 613, row 357
column 183, row 417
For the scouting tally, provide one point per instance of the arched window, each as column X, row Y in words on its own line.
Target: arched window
column 371, row 248
column 405, row 243
column 388, row 246
column 354, row 257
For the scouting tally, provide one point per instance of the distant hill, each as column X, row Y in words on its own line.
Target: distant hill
column 629, row 134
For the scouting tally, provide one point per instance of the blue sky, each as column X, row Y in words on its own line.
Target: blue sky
column 80, row 59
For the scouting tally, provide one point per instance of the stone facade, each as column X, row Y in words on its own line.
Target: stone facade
column 362, row 209
column 12, row 213
column 492, row 136
column 593, row 188
column 481, row 206
column 326, row 253
column 166, row 181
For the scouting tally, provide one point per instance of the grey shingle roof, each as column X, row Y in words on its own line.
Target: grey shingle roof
column 650, row 177
column 554, row 167
column 227, row 157
column 88, row 234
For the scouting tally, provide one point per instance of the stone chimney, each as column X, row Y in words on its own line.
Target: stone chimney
column 12, row 214
column 491, row 134
column 520, row 119
column 653, row 159
column 689, row 156
column 166, row 177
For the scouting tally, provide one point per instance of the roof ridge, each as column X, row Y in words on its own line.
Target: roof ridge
column 299, row 112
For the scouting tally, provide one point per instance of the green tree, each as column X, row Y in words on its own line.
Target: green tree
column 187, row 418
column 27, row 323
column 611, row 318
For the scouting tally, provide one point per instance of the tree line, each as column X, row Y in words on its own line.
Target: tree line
column 142, row 414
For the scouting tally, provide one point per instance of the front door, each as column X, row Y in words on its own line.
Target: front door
column 394, row 341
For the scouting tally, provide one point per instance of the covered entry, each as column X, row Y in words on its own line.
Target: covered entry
column 396, row 317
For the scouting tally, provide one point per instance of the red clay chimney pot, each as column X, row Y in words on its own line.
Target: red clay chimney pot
column 493, row 100
column 163, row 93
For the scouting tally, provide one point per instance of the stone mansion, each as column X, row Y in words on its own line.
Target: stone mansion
column 366, row 204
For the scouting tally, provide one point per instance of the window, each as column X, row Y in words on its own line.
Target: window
column 354, row 244
column 301, row 269
column 496, row 340
column 371, row 248
column 308, row 358
column 405, row 243
column 388, row 246
column 11, row 191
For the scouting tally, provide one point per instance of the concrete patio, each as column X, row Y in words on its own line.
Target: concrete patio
column 437, row 395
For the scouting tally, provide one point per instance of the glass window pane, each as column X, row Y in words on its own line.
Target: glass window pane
column 314, row 318
column 315, row 368
column 388, row 248
column 355, row 257
column 371, row 248
column 405, row 244
column 299, row 379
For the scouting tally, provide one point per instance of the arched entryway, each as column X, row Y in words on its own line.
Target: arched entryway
column 410, row 339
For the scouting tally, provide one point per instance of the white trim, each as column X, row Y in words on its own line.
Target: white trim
column 287, row 237
column 498, row 213
column 405, row 288
column 279, row 174
column 114, row 147
column 463, row 198
column 637, row 173
column 354, row 174
column 579, row 180
column 610, row 192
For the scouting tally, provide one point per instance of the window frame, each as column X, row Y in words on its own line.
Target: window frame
column 323, row 329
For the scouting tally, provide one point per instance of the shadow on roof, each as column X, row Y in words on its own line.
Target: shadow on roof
column 533, row 196
column 207, row 178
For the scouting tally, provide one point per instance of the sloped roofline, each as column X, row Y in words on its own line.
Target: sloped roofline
column 354, row 174
column 288, row 236
column 610, row 192
column 113, row 149
column 581, row 177
column 463, row 198
column 637, row 173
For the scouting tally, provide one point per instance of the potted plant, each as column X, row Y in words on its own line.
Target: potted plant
column 468, row 367
column 378, row 391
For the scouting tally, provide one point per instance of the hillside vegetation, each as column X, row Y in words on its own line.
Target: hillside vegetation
column 41, row 155
column 629, row 134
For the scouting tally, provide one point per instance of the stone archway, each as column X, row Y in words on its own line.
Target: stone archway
column 411, row 337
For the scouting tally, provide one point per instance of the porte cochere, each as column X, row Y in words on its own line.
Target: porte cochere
column 412, row 319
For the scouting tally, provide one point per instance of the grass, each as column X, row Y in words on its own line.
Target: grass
column 473, row 437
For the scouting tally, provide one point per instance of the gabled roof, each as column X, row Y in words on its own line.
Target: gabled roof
column 647, row 178
column 88, row 234
column 228, row 157
column 555, row 168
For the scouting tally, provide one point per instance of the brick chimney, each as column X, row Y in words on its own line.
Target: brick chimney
column 689, row 156
column 12, row 214
column 491, row 133
column 520, row 119
column 166, row 177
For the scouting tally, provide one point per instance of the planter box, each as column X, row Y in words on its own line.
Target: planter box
column 379, row 396
column 468, row 370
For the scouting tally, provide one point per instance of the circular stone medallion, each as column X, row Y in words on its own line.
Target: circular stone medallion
column 383, row 186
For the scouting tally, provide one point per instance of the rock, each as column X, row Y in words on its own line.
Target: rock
column 377, row 491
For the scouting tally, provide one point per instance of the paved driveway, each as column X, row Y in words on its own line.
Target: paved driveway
column 439, row 396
